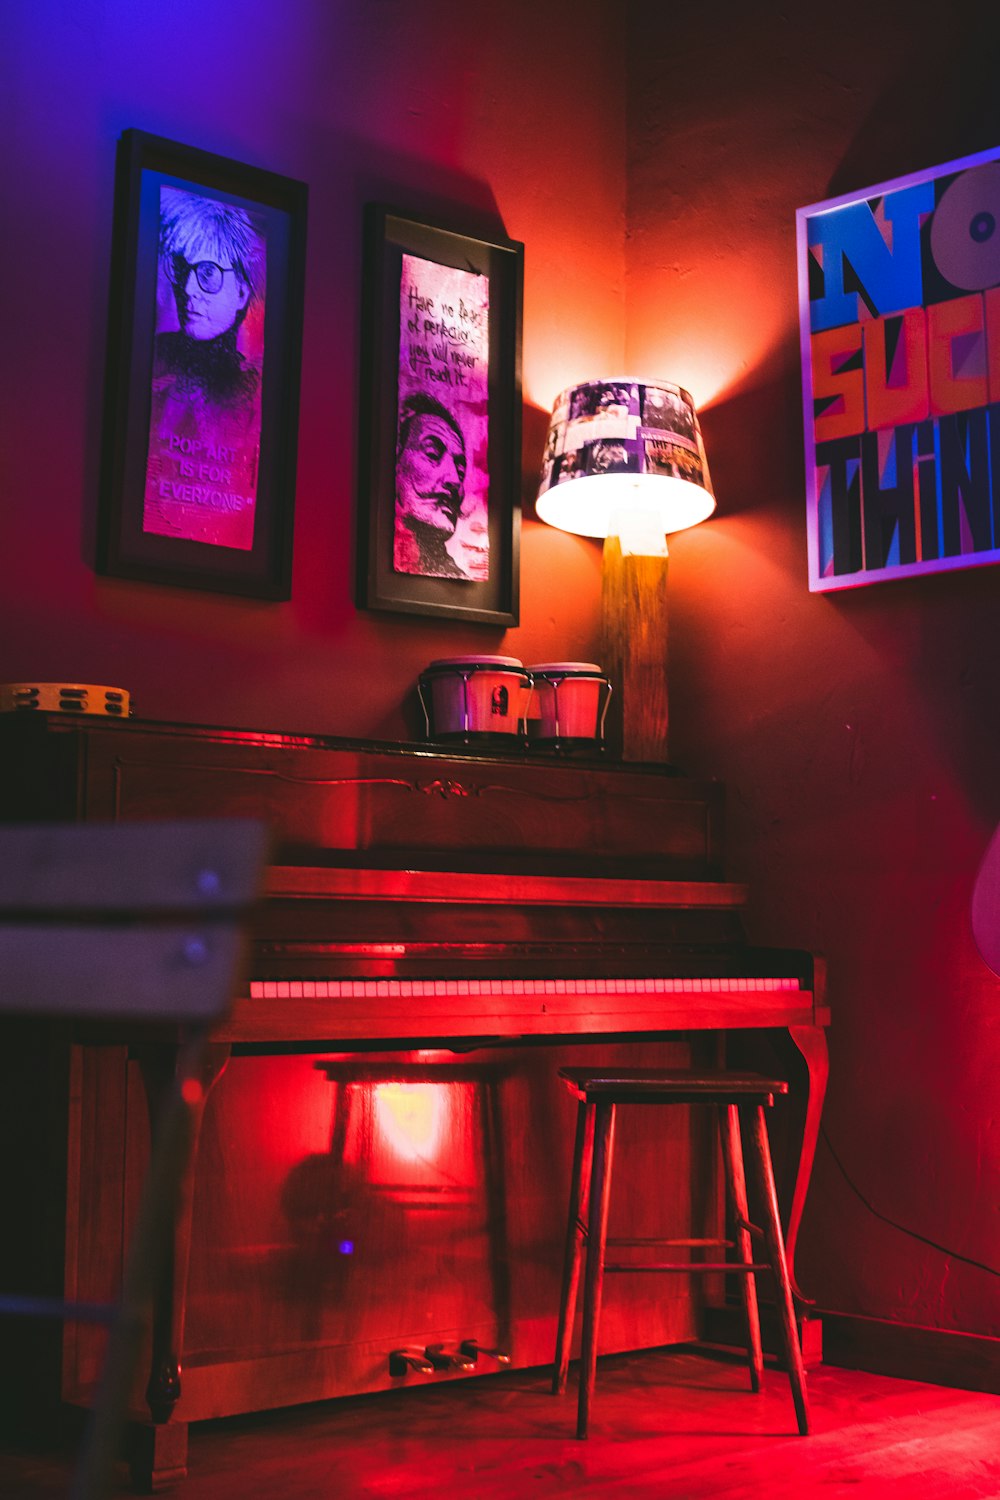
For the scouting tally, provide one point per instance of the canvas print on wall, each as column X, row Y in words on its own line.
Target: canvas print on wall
column 899, row 296
column 204, row 432
column 203, row 369
column 439, row 476
column 442, row 455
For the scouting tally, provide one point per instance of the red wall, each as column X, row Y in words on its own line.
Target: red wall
column 857, row 732
column 437, row 108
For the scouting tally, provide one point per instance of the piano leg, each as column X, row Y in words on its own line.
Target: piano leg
column 811, row 1043
column 158, row 1455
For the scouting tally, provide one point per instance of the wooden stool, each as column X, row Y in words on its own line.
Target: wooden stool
column 735, row 1095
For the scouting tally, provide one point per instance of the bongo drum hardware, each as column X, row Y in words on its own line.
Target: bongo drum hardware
column 475, row 698
column 571, row 704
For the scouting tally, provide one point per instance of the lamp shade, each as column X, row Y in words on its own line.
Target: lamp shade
column 623, row 455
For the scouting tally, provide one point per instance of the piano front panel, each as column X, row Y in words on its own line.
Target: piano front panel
column 336, row 1221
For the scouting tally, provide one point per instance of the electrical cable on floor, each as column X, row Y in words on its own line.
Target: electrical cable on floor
column 913, row 1233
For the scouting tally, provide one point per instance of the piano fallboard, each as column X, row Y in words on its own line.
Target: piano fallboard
column 526, row 888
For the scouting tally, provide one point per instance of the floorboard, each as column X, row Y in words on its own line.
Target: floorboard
column 678, row 1423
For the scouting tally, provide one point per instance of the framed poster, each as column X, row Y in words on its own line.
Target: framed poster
column 899, row 299
column 440, row 514
column 204, row 349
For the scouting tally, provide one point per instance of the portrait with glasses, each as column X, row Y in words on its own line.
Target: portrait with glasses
column 208, row 352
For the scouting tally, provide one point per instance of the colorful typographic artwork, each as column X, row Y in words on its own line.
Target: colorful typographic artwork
column 208, row 352
column 899, row 294
column 441, row 525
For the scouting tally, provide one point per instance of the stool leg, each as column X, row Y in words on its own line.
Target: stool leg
column 597, row 1235
column 579, row 1199
column 761, row 1157
column 732, row 1152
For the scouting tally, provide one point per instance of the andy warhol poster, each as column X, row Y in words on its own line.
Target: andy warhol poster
column 208, row 354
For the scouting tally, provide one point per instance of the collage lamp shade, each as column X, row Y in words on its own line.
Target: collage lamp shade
column 624, row 457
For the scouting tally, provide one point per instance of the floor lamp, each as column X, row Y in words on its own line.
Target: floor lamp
column 624, row 460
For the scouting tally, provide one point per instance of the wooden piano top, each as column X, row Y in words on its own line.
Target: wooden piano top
column 390, row 805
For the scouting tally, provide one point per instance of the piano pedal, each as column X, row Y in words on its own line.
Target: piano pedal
column 402, row 1361
column 473, row 1349
column 441, row 1360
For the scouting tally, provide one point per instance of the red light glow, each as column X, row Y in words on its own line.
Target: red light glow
column 410, row 1117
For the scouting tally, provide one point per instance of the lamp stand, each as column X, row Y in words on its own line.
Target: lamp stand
column 634, row 652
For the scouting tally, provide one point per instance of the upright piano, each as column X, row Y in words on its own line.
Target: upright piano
column 379, row 1191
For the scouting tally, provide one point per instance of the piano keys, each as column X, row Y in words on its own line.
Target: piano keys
column 372, row 991
column 516, row 1008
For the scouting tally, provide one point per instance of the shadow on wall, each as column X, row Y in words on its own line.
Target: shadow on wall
column 534, row 427
column 753, row 436
column 943, row 103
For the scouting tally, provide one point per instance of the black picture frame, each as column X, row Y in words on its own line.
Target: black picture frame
column 216, row 514
column 388, row 236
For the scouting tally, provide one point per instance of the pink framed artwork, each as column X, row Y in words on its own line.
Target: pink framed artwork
column 204, row 349
column 439, row 522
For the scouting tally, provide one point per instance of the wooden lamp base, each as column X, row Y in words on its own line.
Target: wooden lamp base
column 634, row 631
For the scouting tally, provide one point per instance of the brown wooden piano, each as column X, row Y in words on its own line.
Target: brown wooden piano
column 380, row 1189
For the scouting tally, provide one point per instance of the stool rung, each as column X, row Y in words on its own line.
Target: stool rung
column 691, row 1265
column 679, row 1244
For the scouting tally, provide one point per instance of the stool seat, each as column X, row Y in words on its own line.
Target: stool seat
column 738, row 1096
column 672, row 1086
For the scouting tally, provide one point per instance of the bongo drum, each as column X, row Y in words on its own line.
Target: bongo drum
column 571, row 702
column 475, row 698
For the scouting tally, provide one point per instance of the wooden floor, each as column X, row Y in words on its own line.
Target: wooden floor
column 672, row 1423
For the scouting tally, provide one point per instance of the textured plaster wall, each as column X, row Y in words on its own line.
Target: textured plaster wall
column 512, row 117
column 857, row 733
